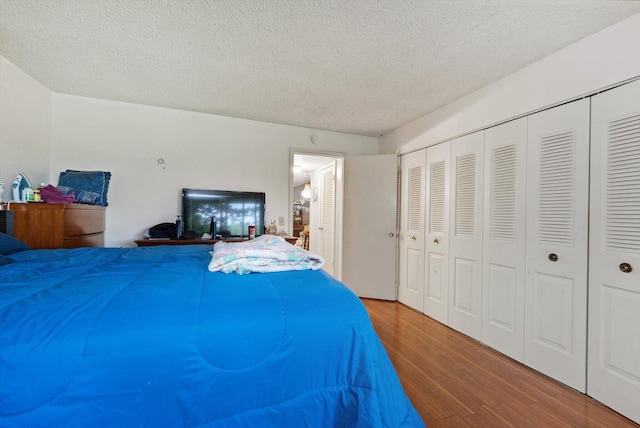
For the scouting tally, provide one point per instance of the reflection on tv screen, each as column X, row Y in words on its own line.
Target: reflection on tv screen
column 233, row 211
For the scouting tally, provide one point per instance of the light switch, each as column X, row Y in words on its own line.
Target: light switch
column 281, row 221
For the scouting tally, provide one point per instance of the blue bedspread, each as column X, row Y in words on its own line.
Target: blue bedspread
column 148, row 337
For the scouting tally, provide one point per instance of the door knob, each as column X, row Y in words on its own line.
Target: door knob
column 413, row 238
column 553, row 257
column 435, row 241
column 625, row 267
column 391, row 235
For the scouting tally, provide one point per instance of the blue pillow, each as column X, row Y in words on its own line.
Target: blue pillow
column 89, row 187
column 5, row 260
column 10, row 245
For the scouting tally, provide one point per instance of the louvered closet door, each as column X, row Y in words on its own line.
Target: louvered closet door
column 557, row 243
column 614, row 253
column 504, row 238
column 411, row 237
column 436, row 299
column 328, row 217
column 465, row 259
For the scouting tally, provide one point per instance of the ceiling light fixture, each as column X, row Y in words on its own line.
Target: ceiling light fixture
column 306, row 192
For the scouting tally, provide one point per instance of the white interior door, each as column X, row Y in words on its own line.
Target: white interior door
column 504, row 238
column 557, row 243
column 411, row 237
column 436, row 244
column 328, row 216
column 614, row 253
column 465, row 251
column 369, row 243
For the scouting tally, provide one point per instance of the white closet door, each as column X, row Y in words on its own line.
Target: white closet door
column 328, row 217
column 465, row 260
column 557, row 243
column 411, row 238
column 614, row 253
column 436, row 303
column 504, row 238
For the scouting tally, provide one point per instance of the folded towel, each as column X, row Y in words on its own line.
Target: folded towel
column 266, row 253
column 53, row 195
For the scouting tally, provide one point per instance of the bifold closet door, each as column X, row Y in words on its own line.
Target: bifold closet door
column 504, row 238
column 465, row 251
column 614, row 253
column 557, row 243
column 328, row 217
column 411, row 237
column 436, row 245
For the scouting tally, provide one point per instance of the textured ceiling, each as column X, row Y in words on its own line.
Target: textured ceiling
column 362, row 67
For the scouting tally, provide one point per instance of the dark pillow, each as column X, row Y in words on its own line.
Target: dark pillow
column 88, row 187
column 10, row 245
column 5, row 260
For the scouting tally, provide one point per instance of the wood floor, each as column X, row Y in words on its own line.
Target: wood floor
column 455, row 381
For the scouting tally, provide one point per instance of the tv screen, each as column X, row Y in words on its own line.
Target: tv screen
column 234, row 212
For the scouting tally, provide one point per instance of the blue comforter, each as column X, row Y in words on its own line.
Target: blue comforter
column 148, row 337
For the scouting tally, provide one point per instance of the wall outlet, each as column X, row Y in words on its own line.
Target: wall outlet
column 281, row 221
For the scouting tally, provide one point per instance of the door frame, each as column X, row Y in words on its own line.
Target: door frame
column 339, row 202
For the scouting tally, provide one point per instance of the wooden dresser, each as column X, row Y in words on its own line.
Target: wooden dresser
column 42, row 225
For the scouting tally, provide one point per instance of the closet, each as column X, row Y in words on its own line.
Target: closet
column 436, row 241
column 557, row 192
column 465, row 248
column 613, row 375
column 503, row 250
column 411, row 236
column 507, row 231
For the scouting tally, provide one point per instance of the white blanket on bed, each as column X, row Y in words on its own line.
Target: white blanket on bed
column 266, row 253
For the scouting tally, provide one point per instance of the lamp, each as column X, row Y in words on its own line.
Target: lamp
column 306, row 192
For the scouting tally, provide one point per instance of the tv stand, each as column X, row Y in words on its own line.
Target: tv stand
column 153, row 242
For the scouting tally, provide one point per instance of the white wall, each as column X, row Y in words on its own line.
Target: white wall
column 594, row 63
column 25, row 127
column 199, row 151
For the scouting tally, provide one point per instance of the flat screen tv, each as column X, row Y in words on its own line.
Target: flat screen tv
column 234, row 212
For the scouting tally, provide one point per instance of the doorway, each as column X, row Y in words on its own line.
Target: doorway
column 316, row 201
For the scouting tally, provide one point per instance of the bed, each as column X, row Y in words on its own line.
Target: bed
column 149, row 337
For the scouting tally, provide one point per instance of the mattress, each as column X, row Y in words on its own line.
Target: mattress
column 149, row 337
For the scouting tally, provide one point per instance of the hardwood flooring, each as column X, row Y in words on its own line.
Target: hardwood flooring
column 455, row 381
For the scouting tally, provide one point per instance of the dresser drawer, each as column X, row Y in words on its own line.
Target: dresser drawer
column 95, row 240
column 82, row 220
